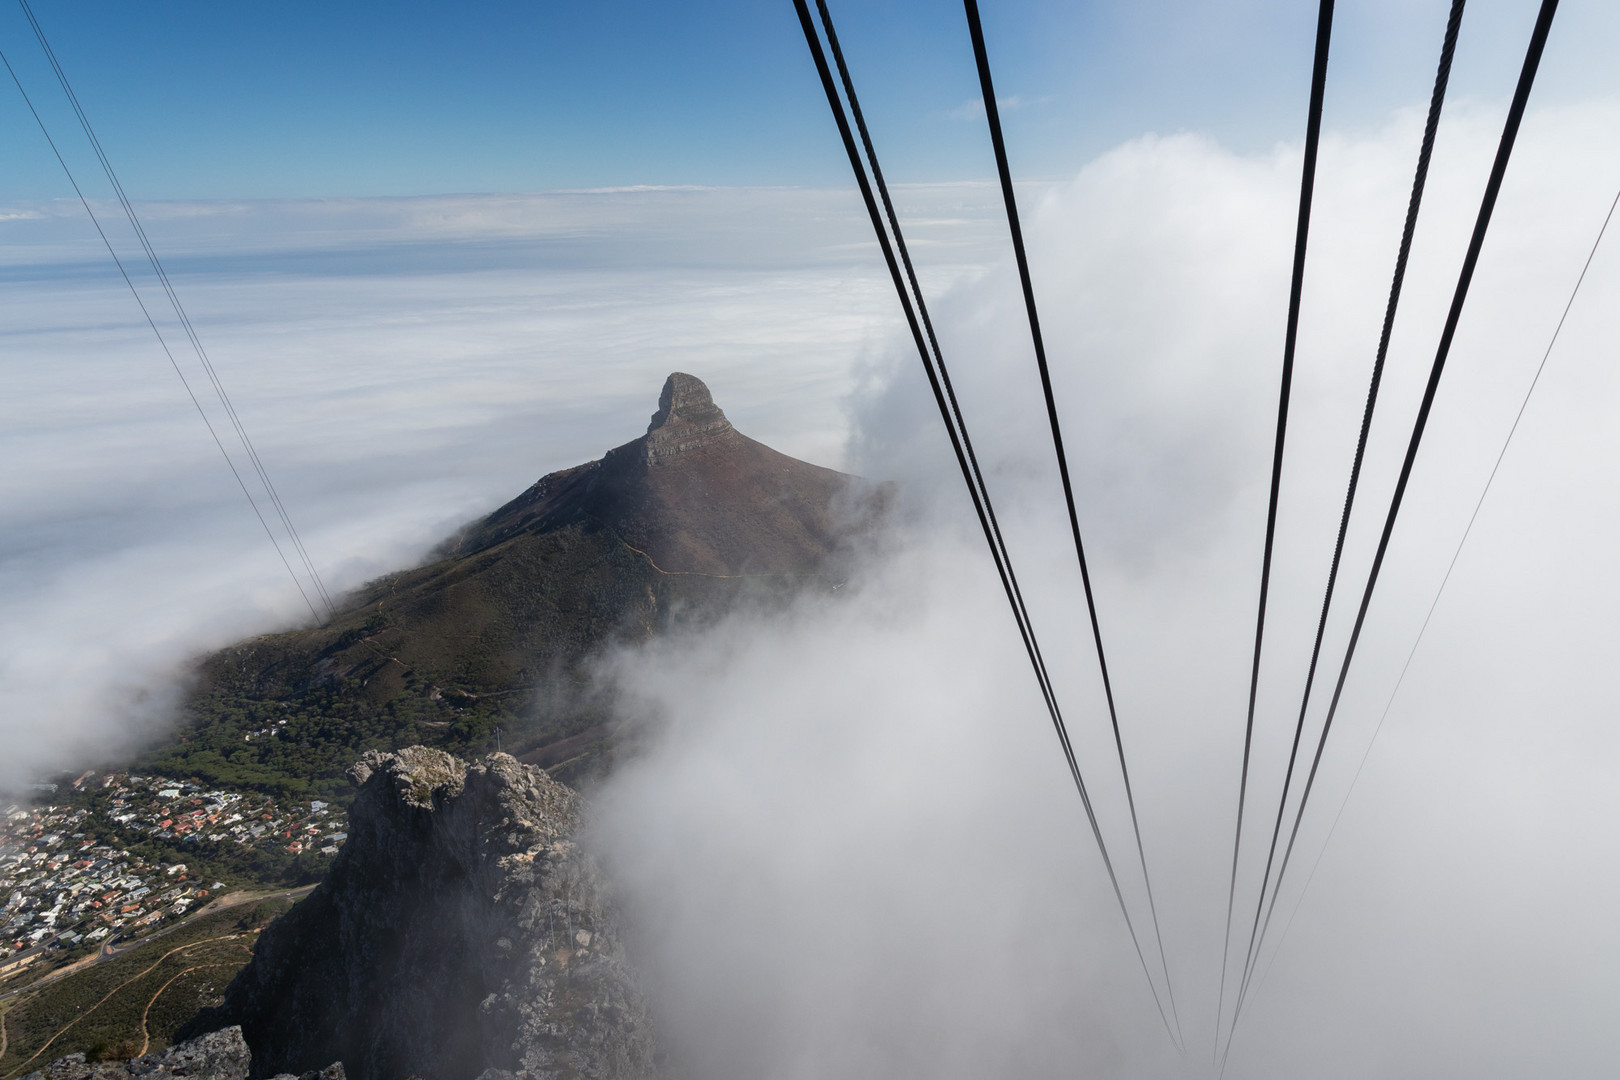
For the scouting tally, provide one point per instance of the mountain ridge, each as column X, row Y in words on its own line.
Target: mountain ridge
column 658, row 493
column 489, row 645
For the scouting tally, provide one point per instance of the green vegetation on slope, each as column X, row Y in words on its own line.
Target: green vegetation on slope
column 462, row 654
column 132, row 1004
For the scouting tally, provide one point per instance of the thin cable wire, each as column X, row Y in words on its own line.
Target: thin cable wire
column 1401, row 679
column 1420, row 177
column 957, row 432
column 1307, row 186
column 161, row 341
column 967, row 459
column 180, row 313
column 992, row 115
column 179, row 310
column 1493, row 187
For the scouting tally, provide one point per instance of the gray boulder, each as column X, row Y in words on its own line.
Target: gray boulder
column 219, row 1055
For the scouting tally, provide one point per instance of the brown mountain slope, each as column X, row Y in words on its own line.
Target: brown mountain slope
column 489, row 643
column 694, row 494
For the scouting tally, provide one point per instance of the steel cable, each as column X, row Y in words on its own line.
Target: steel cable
column 1307, row 185
column 1444, row 581
column 956, row 429
column 1493, row 187
column 162, row 342
column 1009, row 199
column 1419, row 179
column 180, row 313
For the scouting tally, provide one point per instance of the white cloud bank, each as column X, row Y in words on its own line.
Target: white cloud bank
column 394, row 386
column 853, row 849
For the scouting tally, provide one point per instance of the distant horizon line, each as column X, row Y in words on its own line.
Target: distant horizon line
column 8, row 210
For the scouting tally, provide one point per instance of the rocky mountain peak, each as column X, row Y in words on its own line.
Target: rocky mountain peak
column 687, row 419
column 693, row 496
column 685, row 399
column 416, row 774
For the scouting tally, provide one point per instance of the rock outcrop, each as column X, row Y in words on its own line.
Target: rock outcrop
column 219, row 1055
column 460, row 930
column 687, row 419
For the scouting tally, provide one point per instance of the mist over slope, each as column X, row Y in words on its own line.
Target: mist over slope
column 888, row 834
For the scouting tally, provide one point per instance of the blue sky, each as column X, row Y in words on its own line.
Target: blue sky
column 198, row 100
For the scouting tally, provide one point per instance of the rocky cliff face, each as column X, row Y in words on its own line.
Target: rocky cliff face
column 460, row 933
column 687, row 419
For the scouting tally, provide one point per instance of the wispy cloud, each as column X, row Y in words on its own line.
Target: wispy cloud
column 973, row 109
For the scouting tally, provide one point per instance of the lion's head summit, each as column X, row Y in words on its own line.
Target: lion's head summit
column 694, row 495
column 498, row 634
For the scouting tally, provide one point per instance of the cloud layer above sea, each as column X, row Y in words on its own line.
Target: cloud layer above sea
column 402, row 365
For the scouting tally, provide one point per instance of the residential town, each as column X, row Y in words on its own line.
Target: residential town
column 64, row 886
column 180, row 810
